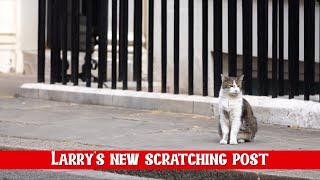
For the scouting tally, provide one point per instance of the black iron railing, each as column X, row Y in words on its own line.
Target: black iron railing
column 96, row 33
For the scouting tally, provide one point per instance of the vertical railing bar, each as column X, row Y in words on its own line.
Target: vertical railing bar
column 125, row 62
column 49, row 22
column 232, row 37
column 75, row 42
column 176, row 51
column 309, row 47
column 64, row 38
column 204, row 48
column 59, row 32
column 312, row 48
column 134, row 72
column 135, row 34
column 54, row 45
column 247, row 45
column 307, row 59
column 103, row 27
column 293, row 47
column 41, row 40
column 281, row 43
column 106, row 35
column 190, row 45
column 121, row 39
column 88, row 44
column 260, row 39
column 164, row 46
column 274, row 48
column 296, row 47
column 150, row 45
column 290, row 56
column 51, row 41
column 265, row 50
column 217, row 46
column 56, row 36
column 123, row 43
column 114, row 45
column 263, row 47
column 137, row 41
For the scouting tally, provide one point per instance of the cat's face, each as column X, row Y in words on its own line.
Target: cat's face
column 232, row 85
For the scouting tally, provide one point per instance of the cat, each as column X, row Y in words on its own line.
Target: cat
column 237, row 123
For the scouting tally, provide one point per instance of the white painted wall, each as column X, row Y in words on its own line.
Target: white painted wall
column 28, row 25
column 27, row 30
column 18, row 32
column 7, row 34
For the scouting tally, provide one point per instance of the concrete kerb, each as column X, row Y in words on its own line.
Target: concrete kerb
column 293, row 112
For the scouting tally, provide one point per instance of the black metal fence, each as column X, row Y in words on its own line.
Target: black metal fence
column 96, row 13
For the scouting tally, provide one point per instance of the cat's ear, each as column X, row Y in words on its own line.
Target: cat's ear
column 223, row 77
column 241, row 77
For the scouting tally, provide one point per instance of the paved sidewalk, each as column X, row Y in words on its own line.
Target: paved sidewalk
column 39, row 124
column 9, row 83
column 56, row 124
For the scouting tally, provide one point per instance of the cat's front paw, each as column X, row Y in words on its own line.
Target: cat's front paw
column 222, row 141
column 233, row 142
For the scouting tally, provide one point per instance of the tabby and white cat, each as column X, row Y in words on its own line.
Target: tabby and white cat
column 236, row 120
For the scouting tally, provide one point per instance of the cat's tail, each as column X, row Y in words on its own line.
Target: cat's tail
column 246, row 136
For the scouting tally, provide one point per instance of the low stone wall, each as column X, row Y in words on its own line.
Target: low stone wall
column 293, row 112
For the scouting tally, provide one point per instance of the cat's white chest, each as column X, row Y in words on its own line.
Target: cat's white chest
column 225, row 104
column 230, row 104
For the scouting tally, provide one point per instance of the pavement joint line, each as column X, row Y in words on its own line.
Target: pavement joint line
column 19, row 122
column 58, row 141
column 129, row 119
column 6, row 97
